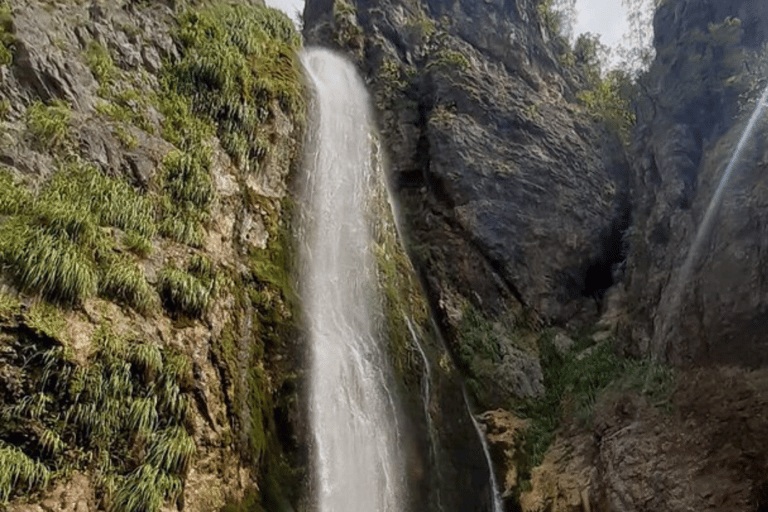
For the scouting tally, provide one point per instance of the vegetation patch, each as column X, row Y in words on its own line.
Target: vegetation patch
column 49, row 124
column 186, row 292
column 101, row 65
column 610, row 101
column 573, row 381
column 236, row 60
column 56, row 245
column 7, row 41
column 128, row 394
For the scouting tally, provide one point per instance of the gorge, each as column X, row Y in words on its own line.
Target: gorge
column 228, row 282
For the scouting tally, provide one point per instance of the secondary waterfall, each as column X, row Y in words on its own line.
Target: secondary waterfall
column 358, row 464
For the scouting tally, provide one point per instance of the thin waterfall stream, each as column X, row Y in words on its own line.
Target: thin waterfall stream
column 703, row 230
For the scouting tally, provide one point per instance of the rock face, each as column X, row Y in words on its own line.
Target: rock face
column 688, row 129
column 704, row 450
column 509, row 196
column 202, row 330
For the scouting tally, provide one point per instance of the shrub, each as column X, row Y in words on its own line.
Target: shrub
column 551, row 18
column 580, row 375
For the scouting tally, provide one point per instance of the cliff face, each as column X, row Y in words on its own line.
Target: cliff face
column 148, row 343
column 512, row 198
column 690, row 122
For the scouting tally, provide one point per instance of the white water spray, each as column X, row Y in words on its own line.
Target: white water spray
column 358, row 464
column 714, row 204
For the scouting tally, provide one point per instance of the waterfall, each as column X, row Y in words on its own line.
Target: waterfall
column 357, row 461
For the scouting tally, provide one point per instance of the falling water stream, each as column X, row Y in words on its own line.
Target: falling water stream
column 358, row 464
column 358, row 459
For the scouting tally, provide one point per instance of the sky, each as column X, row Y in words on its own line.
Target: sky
column 290, row 7
column 605, row 17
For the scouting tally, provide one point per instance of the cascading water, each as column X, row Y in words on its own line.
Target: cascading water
column 358, row 464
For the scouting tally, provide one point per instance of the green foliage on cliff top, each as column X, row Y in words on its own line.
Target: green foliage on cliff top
column 610, row 101
column 236, row 60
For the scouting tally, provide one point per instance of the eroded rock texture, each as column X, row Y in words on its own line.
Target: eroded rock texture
column 689, row 125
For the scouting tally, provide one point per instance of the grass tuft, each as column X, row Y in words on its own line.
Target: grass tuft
column 236, row 60
column 101, row 64
column 13, row 197
column 182, row 292
column 123, row 281
column 49, row 124
column 19, row 472
column 56, row 266
column 54, row 244
column 171, row 450
column 138, row 244
column 7, row 40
